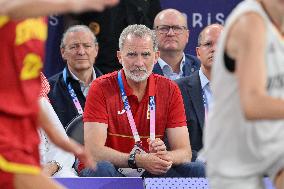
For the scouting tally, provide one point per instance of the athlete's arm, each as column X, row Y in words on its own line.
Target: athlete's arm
column 45, row 121
column 33, row 8
column 246, row 45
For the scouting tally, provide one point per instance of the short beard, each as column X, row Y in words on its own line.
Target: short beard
column 135, row 78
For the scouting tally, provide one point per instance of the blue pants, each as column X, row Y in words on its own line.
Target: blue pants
column 107, row 169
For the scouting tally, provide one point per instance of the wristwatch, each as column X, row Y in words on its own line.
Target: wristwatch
column 131, row 160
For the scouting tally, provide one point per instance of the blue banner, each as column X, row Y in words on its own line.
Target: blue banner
column 53, row 60
column 200, row 14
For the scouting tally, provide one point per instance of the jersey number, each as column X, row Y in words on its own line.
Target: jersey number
column 32, row 66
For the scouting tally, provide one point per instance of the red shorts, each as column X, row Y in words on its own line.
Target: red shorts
column 6, row 180
column 19, row 142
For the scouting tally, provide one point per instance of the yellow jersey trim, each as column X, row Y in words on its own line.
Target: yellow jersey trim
column 18, row 167
column 3, row 20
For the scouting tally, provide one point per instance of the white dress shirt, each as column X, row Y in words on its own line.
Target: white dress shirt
column 84, row 88
column 168, row 71
column 205, row 86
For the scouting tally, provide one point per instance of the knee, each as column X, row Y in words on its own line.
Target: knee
column 105, row 166
column 199, row 168
column 192, row 169
column 103, row 169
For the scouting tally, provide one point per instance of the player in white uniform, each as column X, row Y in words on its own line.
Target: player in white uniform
column 244, row 138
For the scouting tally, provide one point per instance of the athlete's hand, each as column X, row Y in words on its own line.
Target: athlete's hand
column 84, row 156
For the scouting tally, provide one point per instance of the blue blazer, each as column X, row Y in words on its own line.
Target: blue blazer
column 192, row 64
column 60, row 98
column 191, row 91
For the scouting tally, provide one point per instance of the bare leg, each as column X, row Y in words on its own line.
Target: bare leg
column 26, row 181
column 279, row 180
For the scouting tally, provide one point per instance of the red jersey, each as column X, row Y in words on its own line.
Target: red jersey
column 104, row 105
column 22, row 51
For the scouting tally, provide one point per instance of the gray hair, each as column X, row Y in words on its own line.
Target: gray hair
column 138, row 31
column 77, row 28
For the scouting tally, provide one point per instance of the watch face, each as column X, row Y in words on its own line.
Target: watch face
column 131, row 160
column 133, row 171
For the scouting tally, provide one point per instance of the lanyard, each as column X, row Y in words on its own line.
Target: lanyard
column 205, row 103
column 127, row 108
column 72, row 94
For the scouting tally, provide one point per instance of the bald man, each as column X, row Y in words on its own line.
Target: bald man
column 172, row 34
column 195, row 89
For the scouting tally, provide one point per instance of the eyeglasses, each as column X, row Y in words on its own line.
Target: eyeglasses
column 164, row 29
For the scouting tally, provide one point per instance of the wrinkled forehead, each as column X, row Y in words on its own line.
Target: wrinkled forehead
column 79, row 37
column 171, row 18
column 212, row 33
column 136, row 43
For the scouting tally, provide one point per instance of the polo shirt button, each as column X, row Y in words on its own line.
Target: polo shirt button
column 192, row 69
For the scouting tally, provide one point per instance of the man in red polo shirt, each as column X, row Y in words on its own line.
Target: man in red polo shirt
column 127, row 114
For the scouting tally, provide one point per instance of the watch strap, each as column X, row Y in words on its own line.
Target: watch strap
column 131, row 160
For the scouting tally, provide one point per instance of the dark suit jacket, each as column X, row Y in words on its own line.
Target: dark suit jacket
column 192, row 64
column 194, row 108
column 60, row 98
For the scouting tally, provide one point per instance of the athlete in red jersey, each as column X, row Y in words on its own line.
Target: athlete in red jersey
column 22, row 49
column 20, row 85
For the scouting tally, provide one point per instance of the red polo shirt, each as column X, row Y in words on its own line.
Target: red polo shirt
column 104, row 105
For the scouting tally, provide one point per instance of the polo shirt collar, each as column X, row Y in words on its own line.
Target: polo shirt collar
column 150, row 89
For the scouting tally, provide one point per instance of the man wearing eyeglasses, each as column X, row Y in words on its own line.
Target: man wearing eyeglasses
column 195, row 89
column 172, row 34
